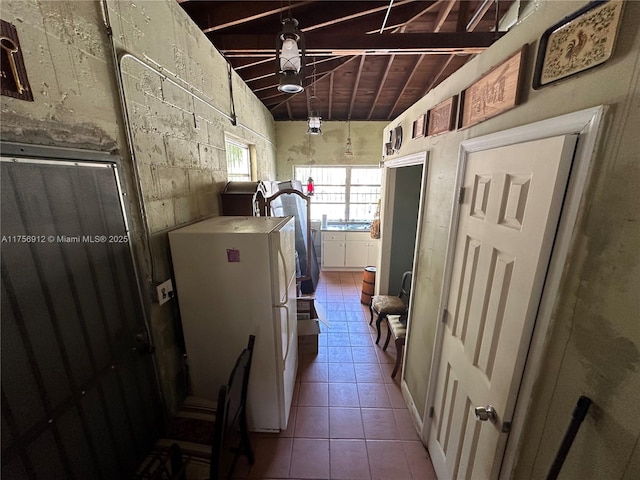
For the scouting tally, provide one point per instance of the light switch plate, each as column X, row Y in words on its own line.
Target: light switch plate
column 165, row 291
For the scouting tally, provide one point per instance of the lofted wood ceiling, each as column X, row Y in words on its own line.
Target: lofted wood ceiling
column 365, row 60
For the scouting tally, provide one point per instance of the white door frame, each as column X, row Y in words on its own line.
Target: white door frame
column 585, row 123
column 386, row 212
column 384, row 254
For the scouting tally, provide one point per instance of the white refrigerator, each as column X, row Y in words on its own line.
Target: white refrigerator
column 236, row 276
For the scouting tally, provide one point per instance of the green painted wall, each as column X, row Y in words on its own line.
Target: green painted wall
column 295, row 147
column 593, row 345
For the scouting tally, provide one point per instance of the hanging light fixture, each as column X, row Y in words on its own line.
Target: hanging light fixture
column 347, row 151
column 290, row 55
column 315, row 120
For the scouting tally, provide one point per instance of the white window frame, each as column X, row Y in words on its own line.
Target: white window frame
column 347, row 186
column 246, row 174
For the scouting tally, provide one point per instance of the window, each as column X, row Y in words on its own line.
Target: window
column 342, row 193
column 238, row 161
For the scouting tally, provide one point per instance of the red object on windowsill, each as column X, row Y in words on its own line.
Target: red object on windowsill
column 310, row 186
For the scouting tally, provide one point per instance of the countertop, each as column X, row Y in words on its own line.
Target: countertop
column 348, row 227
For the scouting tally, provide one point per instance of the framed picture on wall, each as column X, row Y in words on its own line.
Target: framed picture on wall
column 418, row 126
column 442, row 117
column 494, row 93
column 578, row 42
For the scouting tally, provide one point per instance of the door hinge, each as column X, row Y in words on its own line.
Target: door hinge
column 431, row 410
column 461, row 195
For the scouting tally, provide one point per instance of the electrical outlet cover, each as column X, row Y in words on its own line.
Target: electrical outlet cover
column 165, row 291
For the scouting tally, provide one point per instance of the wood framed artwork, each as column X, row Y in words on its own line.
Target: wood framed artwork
column 578, row 42
column 418, row 126
column 442, row 117
column 494, row 93
column 13, row 76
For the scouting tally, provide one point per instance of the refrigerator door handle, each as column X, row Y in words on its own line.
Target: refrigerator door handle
column 286, row 308
column 284, row 301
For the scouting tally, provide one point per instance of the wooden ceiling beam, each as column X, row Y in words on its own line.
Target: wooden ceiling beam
column 353, row 44
column 233, row 19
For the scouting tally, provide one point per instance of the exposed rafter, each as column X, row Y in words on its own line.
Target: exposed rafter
column 423, row 42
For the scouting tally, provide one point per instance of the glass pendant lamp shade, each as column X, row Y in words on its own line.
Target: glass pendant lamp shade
column 314, row 122
column 290, row 57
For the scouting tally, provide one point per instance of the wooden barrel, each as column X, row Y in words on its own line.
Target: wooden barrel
column 368, row 284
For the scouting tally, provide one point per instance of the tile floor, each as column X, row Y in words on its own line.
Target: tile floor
column 348, row 419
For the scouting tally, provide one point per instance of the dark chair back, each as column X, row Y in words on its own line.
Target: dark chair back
column 405, row 287
column 218, row 466
column 236, row 430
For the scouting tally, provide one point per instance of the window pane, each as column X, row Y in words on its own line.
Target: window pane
column 365, row 176
column 238, row 162
column 330, row 197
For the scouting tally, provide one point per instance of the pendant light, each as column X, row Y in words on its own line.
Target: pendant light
column 315, row 120
column 347, row 151
column 290, row 56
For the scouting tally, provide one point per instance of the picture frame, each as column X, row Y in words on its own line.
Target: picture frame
column 442, row 117
column 578, row 42
column 496, row 92
column 418, row 126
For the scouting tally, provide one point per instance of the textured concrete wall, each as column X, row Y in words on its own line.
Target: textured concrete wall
column 178, row 140
column 593, row 345
column 295, row 147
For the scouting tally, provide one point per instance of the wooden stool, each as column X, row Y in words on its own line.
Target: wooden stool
column 398, row 328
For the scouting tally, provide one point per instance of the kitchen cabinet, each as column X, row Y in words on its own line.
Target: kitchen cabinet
column 348, row 250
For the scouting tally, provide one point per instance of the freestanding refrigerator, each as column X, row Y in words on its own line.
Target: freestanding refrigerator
column 236, row 276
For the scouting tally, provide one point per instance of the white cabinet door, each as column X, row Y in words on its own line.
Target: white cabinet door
column 356, row 254
column 372, row 253
column 333, row 253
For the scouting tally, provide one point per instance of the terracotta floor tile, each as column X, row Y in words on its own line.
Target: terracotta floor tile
column 395, row 396
column 310, row 458
column 373, row 395
column 312, row 422
column 364, row 355
column 345, row 423
column 368, row 373
column 313, row 394
column 314, row 372
column 341, row 372
column 349, row 460
column 387, row 460
column 405, row 424
column 419, row 461
column 379, row 424
column 348, row 419
column 273, row 458
column 343, row 395
column 339, row 339
column 340, row 354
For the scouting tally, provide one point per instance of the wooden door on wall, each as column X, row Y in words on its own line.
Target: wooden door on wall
column 79, row 397
column 513, row 197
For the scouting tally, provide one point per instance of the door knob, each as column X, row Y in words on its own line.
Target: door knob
column 486, row 413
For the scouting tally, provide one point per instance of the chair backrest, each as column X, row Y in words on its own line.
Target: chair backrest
column 239, row 383
column 217, row 466
column 405, row 287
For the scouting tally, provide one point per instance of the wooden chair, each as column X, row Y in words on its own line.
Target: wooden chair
column 384, row 305
column 205, row 438
column 397, row 327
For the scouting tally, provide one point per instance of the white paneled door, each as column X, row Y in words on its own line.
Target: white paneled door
column 507, row 222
